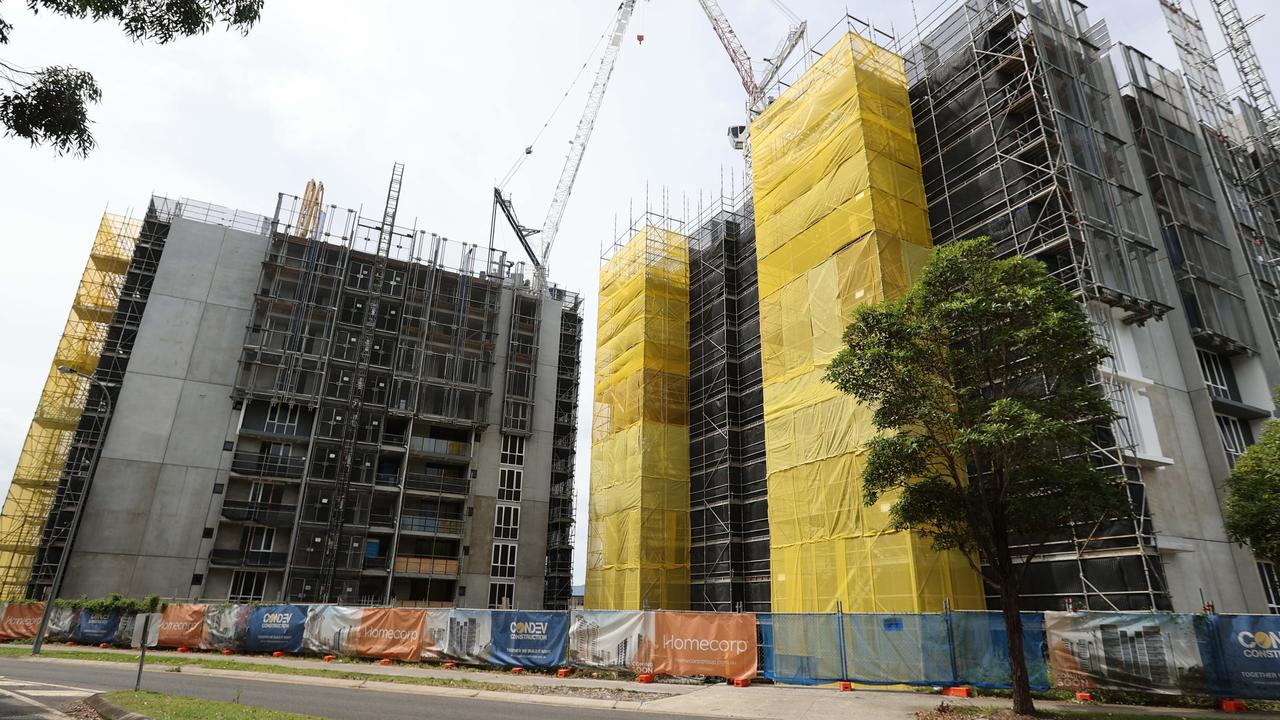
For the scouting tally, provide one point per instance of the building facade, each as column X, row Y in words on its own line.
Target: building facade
column 320, row 407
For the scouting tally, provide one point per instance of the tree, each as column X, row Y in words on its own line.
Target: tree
column 50, row 105
column 982, row 379
column 1253, row 494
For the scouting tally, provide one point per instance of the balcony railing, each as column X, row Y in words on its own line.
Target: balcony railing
column 263, row 513
column 382, row 520
column 375, row 562
column 435, row 446
column 388, row 479
column 247, row 558
column 431, row 482
column 431, row 524
column 259, row 465
column 426, row 565
column 391, row 438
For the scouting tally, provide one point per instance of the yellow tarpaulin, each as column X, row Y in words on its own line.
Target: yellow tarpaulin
column 841, row 221
column 638, row 534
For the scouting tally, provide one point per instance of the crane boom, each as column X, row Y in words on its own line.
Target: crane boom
column 785, row 48
column 728, row 38
column 578, row 146
column 1235, row 30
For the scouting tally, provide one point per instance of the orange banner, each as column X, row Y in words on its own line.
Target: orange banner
column 20, row 621
column 719, row 644
column 182, row 625
column 394, row 633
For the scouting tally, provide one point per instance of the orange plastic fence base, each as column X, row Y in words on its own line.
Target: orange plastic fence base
column 742, row 682
column 329, row 658
column 644, row 678
column 184, row 649
column 450, row 665
column 386, row 661
column 104, row 645
column 1231, row 706
column 278, row 653
column 228, row 651
column 960, row 692
column 564, row 672
column 517, row 670
column 846, row 687
column 1084, row 697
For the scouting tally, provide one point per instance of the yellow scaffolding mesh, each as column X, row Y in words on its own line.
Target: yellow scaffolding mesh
column 44, row 451
column 841, row 220
column 638, row 531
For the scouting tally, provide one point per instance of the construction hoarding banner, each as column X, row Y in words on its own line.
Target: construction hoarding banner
column 896, row 649
column 225, row 626
column 63, row 622
column 606, row 639
column 275, row 627
column 528, row 639
column 96, row 628
column 1143, row 652
column 21, row 621
column 435, row 635
column 1243, row 653
column 394, row 633
column 469, row 636
column 328, row 629
column 689, row 643
column 182, row 625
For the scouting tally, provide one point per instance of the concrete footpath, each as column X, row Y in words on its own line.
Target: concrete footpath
column 783, row 702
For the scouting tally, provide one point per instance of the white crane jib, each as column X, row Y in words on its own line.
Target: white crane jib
column 578, row 146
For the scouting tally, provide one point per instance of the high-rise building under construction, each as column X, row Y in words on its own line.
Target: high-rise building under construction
column 1019, row 120
column 311, row 407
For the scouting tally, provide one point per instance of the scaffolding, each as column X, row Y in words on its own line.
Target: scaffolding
column 638, row 544
column 1014, row 104
column 728, row 503
column 841, row 221
column 63, row 400
column 564, row 442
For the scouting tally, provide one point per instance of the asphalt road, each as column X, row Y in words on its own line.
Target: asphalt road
column 326, row 702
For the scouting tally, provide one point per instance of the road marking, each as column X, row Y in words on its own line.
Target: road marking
column 45, row 712
column 56, row 693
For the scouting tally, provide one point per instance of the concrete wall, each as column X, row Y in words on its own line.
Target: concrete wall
column 153, row 493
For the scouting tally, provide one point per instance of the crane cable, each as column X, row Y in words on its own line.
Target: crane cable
column 528, row 150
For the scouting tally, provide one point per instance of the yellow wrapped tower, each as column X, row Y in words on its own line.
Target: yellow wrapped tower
column 841, row 220
column 638, row 531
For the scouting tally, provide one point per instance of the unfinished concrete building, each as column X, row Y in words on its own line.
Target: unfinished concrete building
column 322, row 407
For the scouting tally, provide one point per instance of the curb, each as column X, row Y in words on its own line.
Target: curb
column 109, row 710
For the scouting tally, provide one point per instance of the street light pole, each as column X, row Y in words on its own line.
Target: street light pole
column 75, row 516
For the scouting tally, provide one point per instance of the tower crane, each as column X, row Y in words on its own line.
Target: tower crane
column 742, row 62
column 538, row 242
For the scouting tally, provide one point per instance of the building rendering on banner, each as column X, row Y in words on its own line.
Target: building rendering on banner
column 310, row 407
column 1149, row 196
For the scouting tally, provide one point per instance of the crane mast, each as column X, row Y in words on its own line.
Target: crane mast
column 578, row 146
column 1235, row 30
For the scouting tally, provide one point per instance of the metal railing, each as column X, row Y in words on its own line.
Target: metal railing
column 436, row 483
column 259, row 465
column 425, row 565
column 436, row 446
column 247, row 558
column 263, row 513
column 431, row 524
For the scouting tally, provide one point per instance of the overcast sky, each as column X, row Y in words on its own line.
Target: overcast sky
column 339, row 90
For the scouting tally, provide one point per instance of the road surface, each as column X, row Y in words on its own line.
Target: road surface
column 25, row 685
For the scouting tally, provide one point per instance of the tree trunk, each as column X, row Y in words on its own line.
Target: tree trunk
column 1020, row 681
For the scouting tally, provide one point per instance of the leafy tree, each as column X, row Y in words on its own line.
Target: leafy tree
column 981, row 377
column 50, row 105
column 1253, row 495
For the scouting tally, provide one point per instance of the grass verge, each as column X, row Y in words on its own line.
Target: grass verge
column 177, row 663
column 961, row 712
column 158, row 706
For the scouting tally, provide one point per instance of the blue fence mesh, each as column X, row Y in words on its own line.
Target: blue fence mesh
column 879, row 649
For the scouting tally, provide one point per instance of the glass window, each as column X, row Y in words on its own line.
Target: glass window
column 506, row 522
column 282, row 419
column 512, row 450
column 504, row 560
column 1234, row 437
column 509, row 481
column 501, row 594
column 247, row 586
column 1270, row 585
column 1215, row 374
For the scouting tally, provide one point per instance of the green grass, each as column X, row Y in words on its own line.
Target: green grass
column 175, row 707
column 178, row 662
column 981, row 713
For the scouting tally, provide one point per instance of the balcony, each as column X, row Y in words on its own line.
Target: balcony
column 382, row 519
column 247, row 558
column 387, row 480
column 262, row 513
column 375, row 562
column 251, row 464
column 451, row 449
column 437, row 483
column 431, row 524
column 408, row 565
column 393, row 438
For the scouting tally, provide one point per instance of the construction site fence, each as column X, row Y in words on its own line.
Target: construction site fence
column 1166, row 653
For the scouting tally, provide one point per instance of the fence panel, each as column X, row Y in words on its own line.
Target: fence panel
column 1148, row 652
column 982, row 649
column 804, row 648
column 1242, row 654
column 896, row 649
